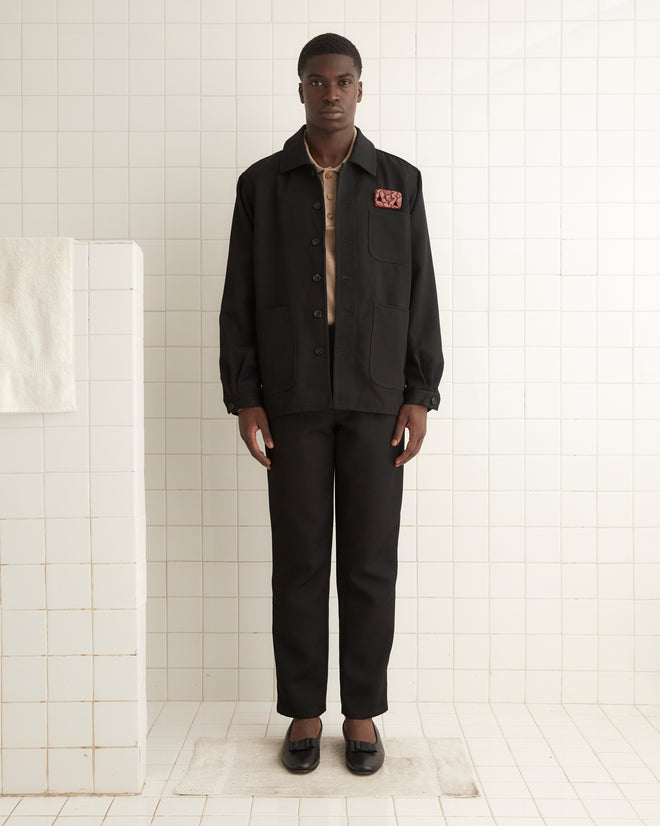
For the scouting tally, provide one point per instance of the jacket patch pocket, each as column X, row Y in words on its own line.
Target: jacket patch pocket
column 276, row 343
column 389, row 235
column 389, row 344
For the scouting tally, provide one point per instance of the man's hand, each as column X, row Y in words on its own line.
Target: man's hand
column 412, row 416
column 251, row 419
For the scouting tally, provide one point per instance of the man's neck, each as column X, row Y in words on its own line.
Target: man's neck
column 329, row 148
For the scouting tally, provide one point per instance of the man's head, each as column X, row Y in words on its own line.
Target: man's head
column 329, row 68
column 329, row 43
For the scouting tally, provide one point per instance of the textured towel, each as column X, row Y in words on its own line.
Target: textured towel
column 36, row 325
column 414, row 767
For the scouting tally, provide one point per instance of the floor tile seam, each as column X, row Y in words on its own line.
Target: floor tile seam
column 647, row 725
column 474, row 765
column 640, row 707
column 530, row 712
column 169, row 779
column 590, row 748
column 631, row 745
column 157, row 715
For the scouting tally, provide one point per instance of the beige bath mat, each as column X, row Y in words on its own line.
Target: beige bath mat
column 251, row 767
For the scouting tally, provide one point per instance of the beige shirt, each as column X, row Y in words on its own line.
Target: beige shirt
column 329, row 177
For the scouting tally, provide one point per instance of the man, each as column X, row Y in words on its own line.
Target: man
column 330, row 346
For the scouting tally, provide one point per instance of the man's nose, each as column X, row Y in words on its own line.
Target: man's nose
column 331, row 93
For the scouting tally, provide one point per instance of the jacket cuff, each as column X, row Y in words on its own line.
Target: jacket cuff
column 420, row 395
column 247, row 398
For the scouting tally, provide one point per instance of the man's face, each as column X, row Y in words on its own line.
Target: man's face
column 330, row 89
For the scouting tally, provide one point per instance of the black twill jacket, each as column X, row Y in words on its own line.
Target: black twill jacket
column 273, row 325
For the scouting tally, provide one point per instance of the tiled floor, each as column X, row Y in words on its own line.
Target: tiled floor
column 567, row 765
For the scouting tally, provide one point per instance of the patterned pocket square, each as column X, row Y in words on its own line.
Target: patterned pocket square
column 387, row 198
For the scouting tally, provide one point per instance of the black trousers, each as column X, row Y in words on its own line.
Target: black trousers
column 313, row 450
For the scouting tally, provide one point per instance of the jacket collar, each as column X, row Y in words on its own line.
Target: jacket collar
column 294, row 153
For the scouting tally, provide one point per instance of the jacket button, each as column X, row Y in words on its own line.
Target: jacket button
column 434, row 399
column 318, row 313
column 316, row 242
column 318, row 351
column 316, row 276
column 317, row 205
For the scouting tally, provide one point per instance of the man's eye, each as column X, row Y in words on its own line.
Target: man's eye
column 346, row 82
column 317, row 83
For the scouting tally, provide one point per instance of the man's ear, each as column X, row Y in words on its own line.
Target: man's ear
column 300, row 93
column 359, row 97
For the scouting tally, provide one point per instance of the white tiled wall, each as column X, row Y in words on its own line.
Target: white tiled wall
column 72, row 555
column 529, row 567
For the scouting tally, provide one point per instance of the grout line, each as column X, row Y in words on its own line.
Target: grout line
column 560, row 389
column 556, row 761
column 202, row 205
column 588, row 743
column 452, row 468
column 596, row 482
column 466, row 743
column 166, row 668
column 489, row 678
column 653, row 770
column 525, row 681
column 635, row 676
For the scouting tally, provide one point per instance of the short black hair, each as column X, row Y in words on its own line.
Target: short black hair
column 328, row 43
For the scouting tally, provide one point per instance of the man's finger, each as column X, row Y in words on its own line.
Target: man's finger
column 412, row 449
column 398, row 431
column 260, row 457
column 255, row 450
column 268, row 439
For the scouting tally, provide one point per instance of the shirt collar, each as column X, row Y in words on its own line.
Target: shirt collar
column 332, row 168
column 294, row 153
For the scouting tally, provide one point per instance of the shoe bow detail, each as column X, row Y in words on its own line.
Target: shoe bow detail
column 303, row 745
column 361, row 745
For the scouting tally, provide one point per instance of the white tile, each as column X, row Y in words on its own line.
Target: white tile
column 115, row 678
column 70, row 725
column 116, row 770
column 69, row 632
column 80, row 806
column 22, row 495
column 274, row 806
column 69, row 678
column 322, row 807
column 124, row 807
column 23, row 632
column 115, row 631
column 24, row 726
column 112, row 494
column 23, row 586
column 68, row 586
column 111, row 266
column 66, row 494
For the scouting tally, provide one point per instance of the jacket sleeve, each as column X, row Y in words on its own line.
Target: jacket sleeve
column 239, row 364
column 424, row 361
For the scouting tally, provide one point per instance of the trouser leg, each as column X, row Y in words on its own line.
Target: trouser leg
column 368, row 493
column 300, row 485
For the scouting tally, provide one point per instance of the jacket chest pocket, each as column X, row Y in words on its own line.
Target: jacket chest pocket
column 389, row 235
column 276, row 343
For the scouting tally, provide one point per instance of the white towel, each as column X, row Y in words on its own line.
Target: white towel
column 36, row 325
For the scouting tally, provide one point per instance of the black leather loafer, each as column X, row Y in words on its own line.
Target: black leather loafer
column 301, row 756
column 364, row 758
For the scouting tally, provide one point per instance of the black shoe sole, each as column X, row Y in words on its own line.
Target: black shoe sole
column 301, row 771
column 361, row 771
